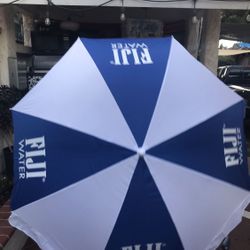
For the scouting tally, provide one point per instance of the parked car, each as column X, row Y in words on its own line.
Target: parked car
column 235, row 74
column 245, row 93
column 238, row 79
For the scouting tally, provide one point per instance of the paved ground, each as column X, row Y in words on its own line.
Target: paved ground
column 30, row 245
column 240, row 236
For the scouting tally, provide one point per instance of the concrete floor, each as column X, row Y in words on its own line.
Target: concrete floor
column 30, row 245
column 240, row 236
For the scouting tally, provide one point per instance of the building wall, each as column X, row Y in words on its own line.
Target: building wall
column 4, row 74
column 9, row 47
column 8, row 59
column 194, row 28
column 208, row 54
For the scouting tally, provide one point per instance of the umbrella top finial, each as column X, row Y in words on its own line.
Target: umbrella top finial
column 141, row 152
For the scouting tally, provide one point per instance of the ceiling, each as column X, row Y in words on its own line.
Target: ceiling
column 191, row 4
column 238, row 32
column 107, row 14
column 112, row 15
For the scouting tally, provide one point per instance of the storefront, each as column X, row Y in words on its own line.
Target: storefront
column 36, row 36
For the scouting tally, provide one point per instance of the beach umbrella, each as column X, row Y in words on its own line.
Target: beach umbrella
column 129, row 144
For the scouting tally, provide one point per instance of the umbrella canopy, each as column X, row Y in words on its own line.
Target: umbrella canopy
column 129, row 144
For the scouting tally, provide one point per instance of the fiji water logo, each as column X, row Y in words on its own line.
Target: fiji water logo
column 31, row 158
column 148, row 246
column 232, row 140
column 130, row 53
